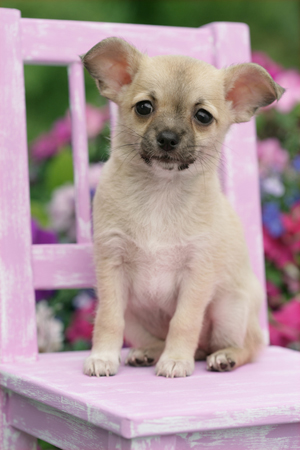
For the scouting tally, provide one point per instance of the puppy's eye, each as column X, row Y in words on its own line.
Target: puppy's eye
column 204, row 116
column 144, row 108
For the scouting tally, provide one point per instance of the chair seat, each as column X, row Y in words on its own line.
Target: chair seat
column 137, row 403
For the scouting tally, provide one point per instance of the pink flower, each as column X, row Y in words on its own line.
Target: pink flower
column 291, row 223
column 285, row 324
column 265, row 61
column 274, row 295
column 271, row 156
column 276, row 251
column 272, row 289
column 48, row 144
column 81, row 326
column 95, row 120
column 290, row 80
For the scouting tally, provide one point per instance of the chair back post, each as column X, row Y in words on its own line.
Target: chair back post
column 80, row 152
column 239, row 157
column 18, row 340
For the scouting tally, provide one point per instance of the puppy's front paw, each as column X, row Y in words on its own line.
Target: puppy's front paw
column 100, row 365
column 171, row 368
column 221, row 361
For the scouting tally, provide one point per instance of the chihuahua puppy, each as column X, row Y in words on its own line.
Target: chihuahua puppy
column 172, row 267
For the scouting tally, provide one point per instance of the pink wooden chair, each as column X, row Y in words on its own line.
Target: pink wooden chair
column 46, row 396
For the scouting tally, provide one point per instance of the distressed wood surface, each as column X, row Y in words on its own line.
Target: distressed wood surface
column 60, row 266
column 12, row 438
column 17, row 302
column 80, row 153
column 67, row 432
column 60, row 42
column 137, row 403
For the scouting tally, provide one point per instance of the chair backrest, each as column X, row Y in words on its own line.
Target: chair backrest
column 25, row 267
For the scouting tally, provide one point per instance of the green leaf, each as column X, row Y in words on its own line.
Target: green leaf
column 59, row 170
column 273, row 274
column 81, row 344
column 46, row 446
column 39, row 212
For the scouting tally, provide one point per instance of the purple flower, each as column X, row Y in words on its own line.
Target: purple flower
column 271, row 216
column 42, row 236
column 296, row 163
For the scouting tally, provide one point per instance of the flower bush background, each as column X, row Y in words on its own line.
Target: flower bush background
column 279, row 164
column 65, row 317
column 278, row 152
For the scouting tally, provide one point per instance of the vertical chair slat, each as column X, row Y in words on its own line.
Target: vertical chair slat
column 80, row 152
column 240, row 168
column 17, row 302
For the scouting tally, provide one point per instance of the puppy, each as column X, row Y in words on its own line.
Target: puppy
column 172, row 267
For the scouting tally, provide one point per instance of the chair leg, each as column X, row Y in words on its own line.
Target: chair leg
column 10, row 437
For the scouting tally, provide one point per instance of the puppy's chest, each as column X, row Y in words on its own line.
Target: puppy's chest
column 155, row 273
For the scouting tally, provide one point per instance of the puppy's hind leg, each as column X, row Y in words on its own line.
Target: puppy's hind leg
column 146, row 347
column 236, row 336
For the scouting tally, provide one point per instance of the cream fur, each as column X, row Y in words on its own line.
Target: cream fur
column 173, row 271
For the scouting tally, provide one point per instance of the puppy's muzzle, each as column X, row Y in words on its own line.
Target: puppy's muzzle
column 168, row 140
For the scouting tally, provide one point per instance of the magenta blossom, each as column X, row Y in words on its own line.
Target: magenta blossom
column 288, row 79
column 81, row 326
column 276, row 250
column 285, row 324
column 267, row 63
column 274, row 295
column 48, row 144
column 291, row 222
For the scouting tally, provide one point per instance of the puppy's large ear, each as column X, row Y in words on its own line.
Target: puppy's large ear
column 113, row 63
column 248, row 87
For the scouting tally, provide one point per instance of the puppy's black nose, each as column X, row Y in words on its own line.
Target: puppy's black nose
column 168, row 140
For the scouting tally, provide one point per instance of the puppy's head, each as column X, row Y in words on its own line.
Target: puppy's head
column 174, row 110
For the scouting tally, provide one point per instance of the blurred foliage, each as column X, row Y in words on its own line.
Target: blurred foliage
column 59, row 170
column 284, row 126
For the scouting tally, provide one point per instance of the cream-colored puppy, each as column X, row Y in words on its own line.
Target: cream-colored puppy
column 173, row 271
